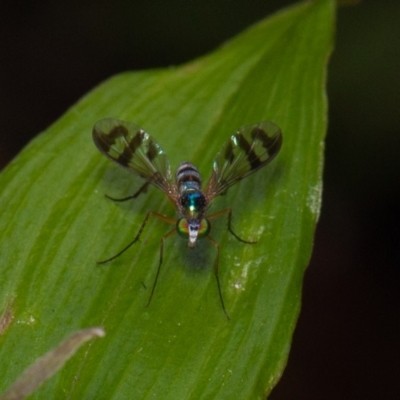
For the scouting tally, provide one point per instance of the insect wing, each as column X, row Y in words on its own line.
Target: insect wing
column 134, row 149
column 248, row 150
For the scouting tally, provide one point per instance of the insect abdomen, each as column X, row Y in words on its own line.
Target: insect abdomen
column 187, row 176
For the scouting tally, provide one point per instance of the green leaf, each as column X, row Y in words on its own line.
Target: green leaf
column 56, row 223
column 47, row 365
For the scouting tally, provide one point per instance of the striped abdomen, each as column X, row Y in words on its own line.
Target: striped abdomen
column 187, row 177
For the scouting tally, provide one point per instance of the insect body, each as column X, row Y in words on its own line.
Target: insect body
column 248, row 150
column 192, row 204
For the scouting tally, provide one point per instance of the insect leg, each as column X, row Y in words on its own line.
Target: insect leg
column 142, row 189
column 229, row 212
column 148, row 215
column 159, row 263
column 216, row 272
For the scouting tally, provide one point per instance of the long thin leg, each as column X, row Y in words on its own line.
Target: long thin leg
column 216, row 264
column 142, row 189
column 148, row 215
column 229, row 212
column 159, row 263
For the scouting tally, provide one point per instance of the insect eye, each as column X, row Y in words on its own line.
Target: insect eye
column 204, row 228
column 184, row 227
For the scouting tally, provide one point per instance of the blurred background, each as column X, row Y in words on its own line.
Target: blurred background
column 347, row 342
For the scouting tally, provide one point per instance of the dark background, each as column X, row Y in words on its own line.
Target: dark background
column 346, row 344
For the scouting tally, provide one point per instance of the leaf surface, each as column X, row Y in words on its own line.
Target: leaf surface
column 56, row 223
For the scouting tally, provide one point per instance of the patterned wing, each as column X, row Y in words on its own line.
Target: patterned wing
column 248, row 150
column 134, row 149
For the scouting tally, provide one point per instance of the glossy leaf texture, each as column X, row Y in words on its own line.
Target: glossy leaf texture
column 56, row 223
